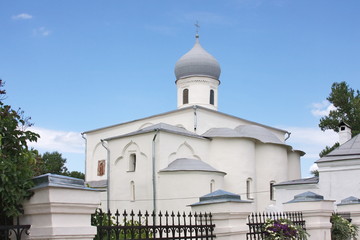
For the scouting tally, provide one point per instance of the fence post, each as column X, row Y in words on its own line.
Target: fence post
column 60, row 208
column 316, row 213
column 229, row 214
column 351, row 205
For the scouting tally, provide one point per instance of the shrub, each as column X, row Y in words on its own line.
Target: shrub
column 342, row 229
column 127, row 230
column 283, row 229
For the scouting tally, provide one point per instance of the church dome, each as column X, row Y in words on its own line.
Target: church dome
column 197, row 62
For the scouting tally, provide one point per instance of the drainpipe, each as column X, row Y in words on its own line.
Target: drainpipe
column 154, row 169
column 83, row 136
column 195, row 118
column 108, row 173
column 288, row 135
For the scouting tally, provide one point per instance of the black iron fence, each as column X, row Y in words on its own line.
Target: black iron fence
column 256, row 222
column 153, row 226
column 13, row 231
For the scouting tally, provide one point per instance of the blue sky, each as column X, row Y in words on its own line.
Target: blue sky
column 75, row 66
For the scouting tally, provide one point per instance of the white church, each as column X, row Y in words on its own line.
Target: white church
column 169, row 160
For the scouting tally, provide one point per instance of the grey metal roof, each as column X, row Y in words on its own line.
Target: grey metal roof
column 349, row 201
column 347, row 151
column 54, row 180
column 250, row 131
column 221, row 132
column 160, row 127
column 186, row 109
column 219, row 196
column 188, row 164
column 197, row 62
column 307, row 197
column 311, row 180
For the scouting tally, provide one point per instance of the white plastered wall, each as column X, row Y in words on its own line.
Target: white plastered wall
column 168, row 147
column 294, row 166
column 236, row 157
column 199, row 91
column 339, row 179
column 271, row 166
column 179, row 189
column 286, row 193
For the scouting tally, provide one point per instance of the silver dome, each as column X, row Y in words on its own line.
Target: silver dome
column 197, row 62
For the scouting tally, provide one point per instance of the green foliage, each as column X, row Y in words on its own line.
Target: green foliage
column 105, row 219
column 283, row 229
column 315, row 173
column 342, row 229
column 16, row 159
column 76, row 174
column 54, row 163
column 347, row 103
column 328, row 149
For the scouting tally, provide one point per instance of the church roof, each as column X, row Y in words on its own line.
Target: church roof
column 250, row 131
column 197, row 62
column 188, row 164
column 347, row 151
column 186, row 109
column 159, row 127
column 311, row 180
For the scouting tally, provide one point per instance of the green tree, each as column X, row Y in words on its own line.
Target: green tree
column 347, row 103
column 328, row 149
column 315, row 173
column 54, row 163
column 347, row 109
column 76, row 174
column 16, row 159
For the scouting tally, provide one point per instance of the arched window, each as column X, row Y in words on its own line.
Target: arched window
column 132, row 191
column 132, row 162
column 212, row 185
column 272, row 194
column 249, row 190
column 212, row 97
column 185, row 96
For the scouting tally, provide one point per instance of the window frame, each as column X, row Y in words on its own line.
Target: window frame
column 185, row 96
column 212, row 97
column 272, row 192
column 132, row 162
column 132, row 191
column 249, row 188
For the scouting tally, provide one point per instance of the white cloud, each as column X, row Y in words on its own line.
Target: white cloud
column 22, row 16
column 312, row 136
column 312, row 141
column 53, row 140
column 41, row 31
column 322, row 109
column 314, row 167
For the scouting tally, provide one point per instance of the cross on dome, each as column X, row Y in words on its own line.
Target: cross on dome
column 197, row 29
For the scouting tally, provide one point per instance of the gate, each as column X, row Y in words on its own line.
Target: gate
column 13, row 231
column 256, row 222
column 153, row 226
